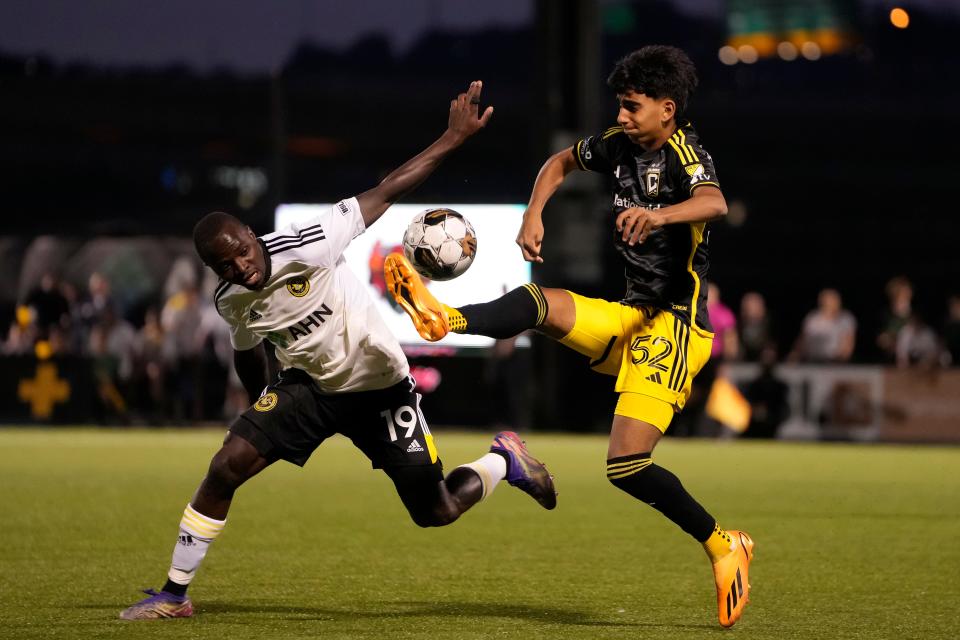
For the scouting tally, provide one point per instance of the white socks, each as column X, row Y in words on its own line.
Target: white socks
column 197, row 531
column 491, row 468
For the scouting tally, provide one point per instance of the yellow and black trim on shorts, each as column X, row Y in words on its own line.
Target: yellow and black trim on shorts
column 679, row 372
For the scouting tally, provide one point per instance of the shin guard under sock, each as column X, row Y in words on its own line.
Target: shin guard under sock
column 511, row 314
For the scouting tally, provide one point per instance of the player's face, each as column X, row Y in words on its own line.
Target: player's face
column 645, row 120
column 237, row 257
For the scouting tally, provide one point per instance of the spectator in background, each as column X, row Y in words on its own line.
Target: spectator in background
column 726, row 344
column 951, row 330
column 917, row 344
column 97, row 299
column 50, row 306
column 77, row 335
column 181, row 319
column 23, row 333
column 112, row 347
column 828, row 333
column 507, row 376
column 895, row 317
column 151, row 367
column 767, row 395
column 755, row 331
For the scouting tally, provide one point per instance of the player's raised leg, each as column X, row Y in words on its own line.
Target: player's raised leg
column 435, row 501
column 551, row 311
column 202, row 521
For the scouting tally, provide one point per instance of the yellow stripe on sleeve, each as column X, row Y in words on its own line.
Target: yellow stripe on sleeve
column 611, row 131
column 676, row 147
column 578, row 157
column 701, row 184
column 688, row 148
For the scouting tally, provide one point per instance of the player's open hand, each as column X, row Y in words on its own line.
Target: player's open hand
column 530, row 238
column 637, row 223
column 464, row 120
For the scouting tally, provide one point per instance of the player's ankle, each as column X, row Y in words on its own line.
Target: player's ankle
column 719, row 544
column 174, row 588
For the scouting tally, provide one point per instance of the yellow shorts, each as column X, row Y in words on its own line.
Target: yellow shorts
column 653, row 354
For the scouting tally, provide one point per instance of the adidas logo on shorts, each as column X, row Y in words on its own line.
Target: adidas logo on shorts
column 414, row 447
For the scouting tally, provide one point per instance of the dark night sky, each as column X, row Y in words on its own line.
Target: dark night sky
column 252, row 35
column 245, row 35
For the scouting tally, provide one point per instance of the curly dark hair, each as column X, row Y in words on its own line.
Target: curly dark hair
column 656, row 71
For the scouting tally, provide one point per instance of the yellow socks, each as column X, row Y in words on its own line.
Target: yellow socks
column 718, row 544
column 455, row 319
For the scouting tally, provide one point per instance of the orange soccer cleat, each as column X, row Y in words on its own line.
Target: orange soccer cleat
column 406, row 287
column 733, row 581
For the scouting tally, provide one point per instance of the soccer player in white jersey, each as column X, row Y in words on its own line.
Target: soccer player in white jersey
column 342, row 370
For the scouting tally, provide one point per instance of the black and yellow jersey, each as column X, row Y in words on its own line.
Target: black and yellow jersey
column 668, row 271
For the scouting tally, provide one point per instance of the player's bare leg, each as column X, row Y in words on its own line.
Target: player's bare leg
column 436, row 504
column 203, row 519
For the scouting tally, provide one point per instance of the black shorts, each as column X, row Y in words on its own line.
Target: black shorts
column 293, row 417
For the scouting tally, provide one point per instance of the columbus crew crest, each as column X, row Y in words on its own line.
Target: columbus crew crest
column 266, row 402
column 298, row 286
column 651, row 181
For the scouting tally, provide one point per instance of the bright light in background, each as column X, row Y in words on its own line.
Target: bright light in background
column 899, row 18
column 787, row 51
column 748, row 54
column 810, row 50
column 499, row 266
column 728, row 55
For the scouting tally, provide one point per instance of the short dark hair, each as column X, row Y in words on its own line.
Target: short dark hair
column 656, row 71
column 209, row 227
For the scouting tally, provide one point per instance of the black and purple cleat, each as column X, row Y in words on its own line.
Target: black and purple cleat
column 524, row 471
column 159, row 605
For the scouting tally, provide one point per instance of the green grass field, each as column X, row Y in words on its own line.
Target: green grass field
column 852, row 542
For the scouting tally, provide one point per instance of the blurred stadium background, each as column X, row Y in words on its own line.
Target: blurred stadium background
column 832, row 123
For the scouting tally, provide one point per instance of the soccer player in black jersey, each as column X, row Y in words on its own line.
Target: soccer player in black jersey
column 656, row 339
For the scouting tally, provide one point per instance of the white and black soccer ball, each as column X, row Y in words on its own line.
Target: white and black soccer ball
column 440, row 244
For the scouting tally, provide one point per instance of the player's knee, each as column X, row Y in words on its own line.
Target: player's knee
column 438, row 515
column 225, row 473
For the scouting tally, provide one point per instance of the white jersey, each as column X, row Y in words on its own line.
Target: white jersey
column 314, row 310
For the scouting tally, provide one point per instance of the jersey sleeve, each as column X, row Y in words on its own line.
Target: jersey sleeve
column 321, row 239
column 596, row 153
column 693, row 166
column 342, row 223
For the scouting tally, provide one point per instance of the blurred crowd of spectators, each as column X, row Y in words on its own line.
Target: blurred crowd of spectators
column 171, row 360
column 828, row 333
column 165, row 361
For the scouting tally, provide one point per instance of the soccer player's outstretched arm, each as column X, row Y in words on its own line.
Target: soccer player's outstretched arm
column 551, row 175
column 462, row 123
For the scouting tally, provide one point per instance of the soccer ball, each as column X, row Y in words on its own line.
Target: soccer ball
column 440, row 244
